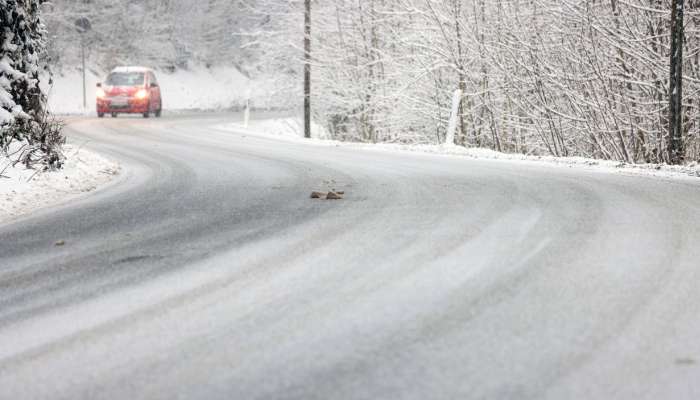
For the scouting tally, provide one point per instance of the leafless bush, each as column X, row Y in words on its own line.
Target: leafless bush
column 41, row 143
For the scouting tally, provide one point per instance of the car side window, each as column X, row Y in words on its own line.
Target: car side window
column 152, row 77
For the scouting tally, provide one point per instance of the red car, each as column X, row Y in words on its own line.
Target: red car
column 129, row 90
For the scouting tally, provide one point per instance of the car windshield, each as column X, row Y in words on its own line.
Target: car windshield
column 125, row 79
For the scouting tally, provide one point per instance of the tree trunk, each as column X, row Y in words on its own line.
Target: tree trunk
column 675, row 128
column 307, row 69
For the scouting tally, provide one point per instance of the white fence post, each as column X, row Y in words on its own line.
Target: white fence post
column 246, row 112
column 452, row 126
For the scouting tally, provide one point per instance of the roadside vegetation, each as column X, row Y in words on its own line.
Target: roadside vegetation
column 28, row 134
column 540, row 77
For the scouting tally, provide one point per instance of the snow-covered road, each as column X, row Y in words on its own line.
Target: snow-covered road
column 208, row 273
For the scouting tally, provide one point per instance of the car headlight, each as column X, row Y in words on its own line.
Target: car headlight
column 141, row 94
column 101, row 93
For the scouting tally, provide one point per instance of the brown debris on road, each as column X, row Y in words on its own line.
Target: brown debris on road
column 318, row 195
column 332, row 195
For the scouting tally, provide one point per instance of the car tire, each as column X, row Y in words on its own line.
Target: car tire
column 114, row 115
column 100, row 115
column 159, row 111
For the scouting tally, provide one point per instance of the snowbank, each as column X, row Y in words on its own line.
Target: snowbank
column 196, row 89
column 661, row 170
column 23, row 190
column 282, row 127
column 289, row 129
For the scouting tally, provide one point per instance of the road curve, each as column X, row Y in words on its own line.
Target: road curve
column 206, row 272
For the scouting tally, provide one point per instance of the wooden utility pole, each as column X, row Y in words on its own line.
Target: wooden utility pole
column 307, row 69
column 675, row 120
column 83, row 25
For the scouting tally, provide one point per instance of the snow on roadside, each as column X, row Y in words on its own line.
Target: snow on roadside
column 286, row 129
column 292, row 128
column 24, row 190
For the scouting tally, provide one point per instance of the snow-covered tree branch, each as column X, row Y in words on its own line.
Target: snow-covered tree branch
column 560, row 77
column 23, row 117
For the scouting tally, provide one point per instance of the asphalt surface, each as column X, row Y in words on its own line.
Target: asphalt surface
column 206, row 272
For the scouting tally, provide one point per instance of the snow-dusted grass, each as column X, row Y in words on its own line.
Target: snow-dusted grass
column 200, row 88
column 289, row 129
column 25, row 190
